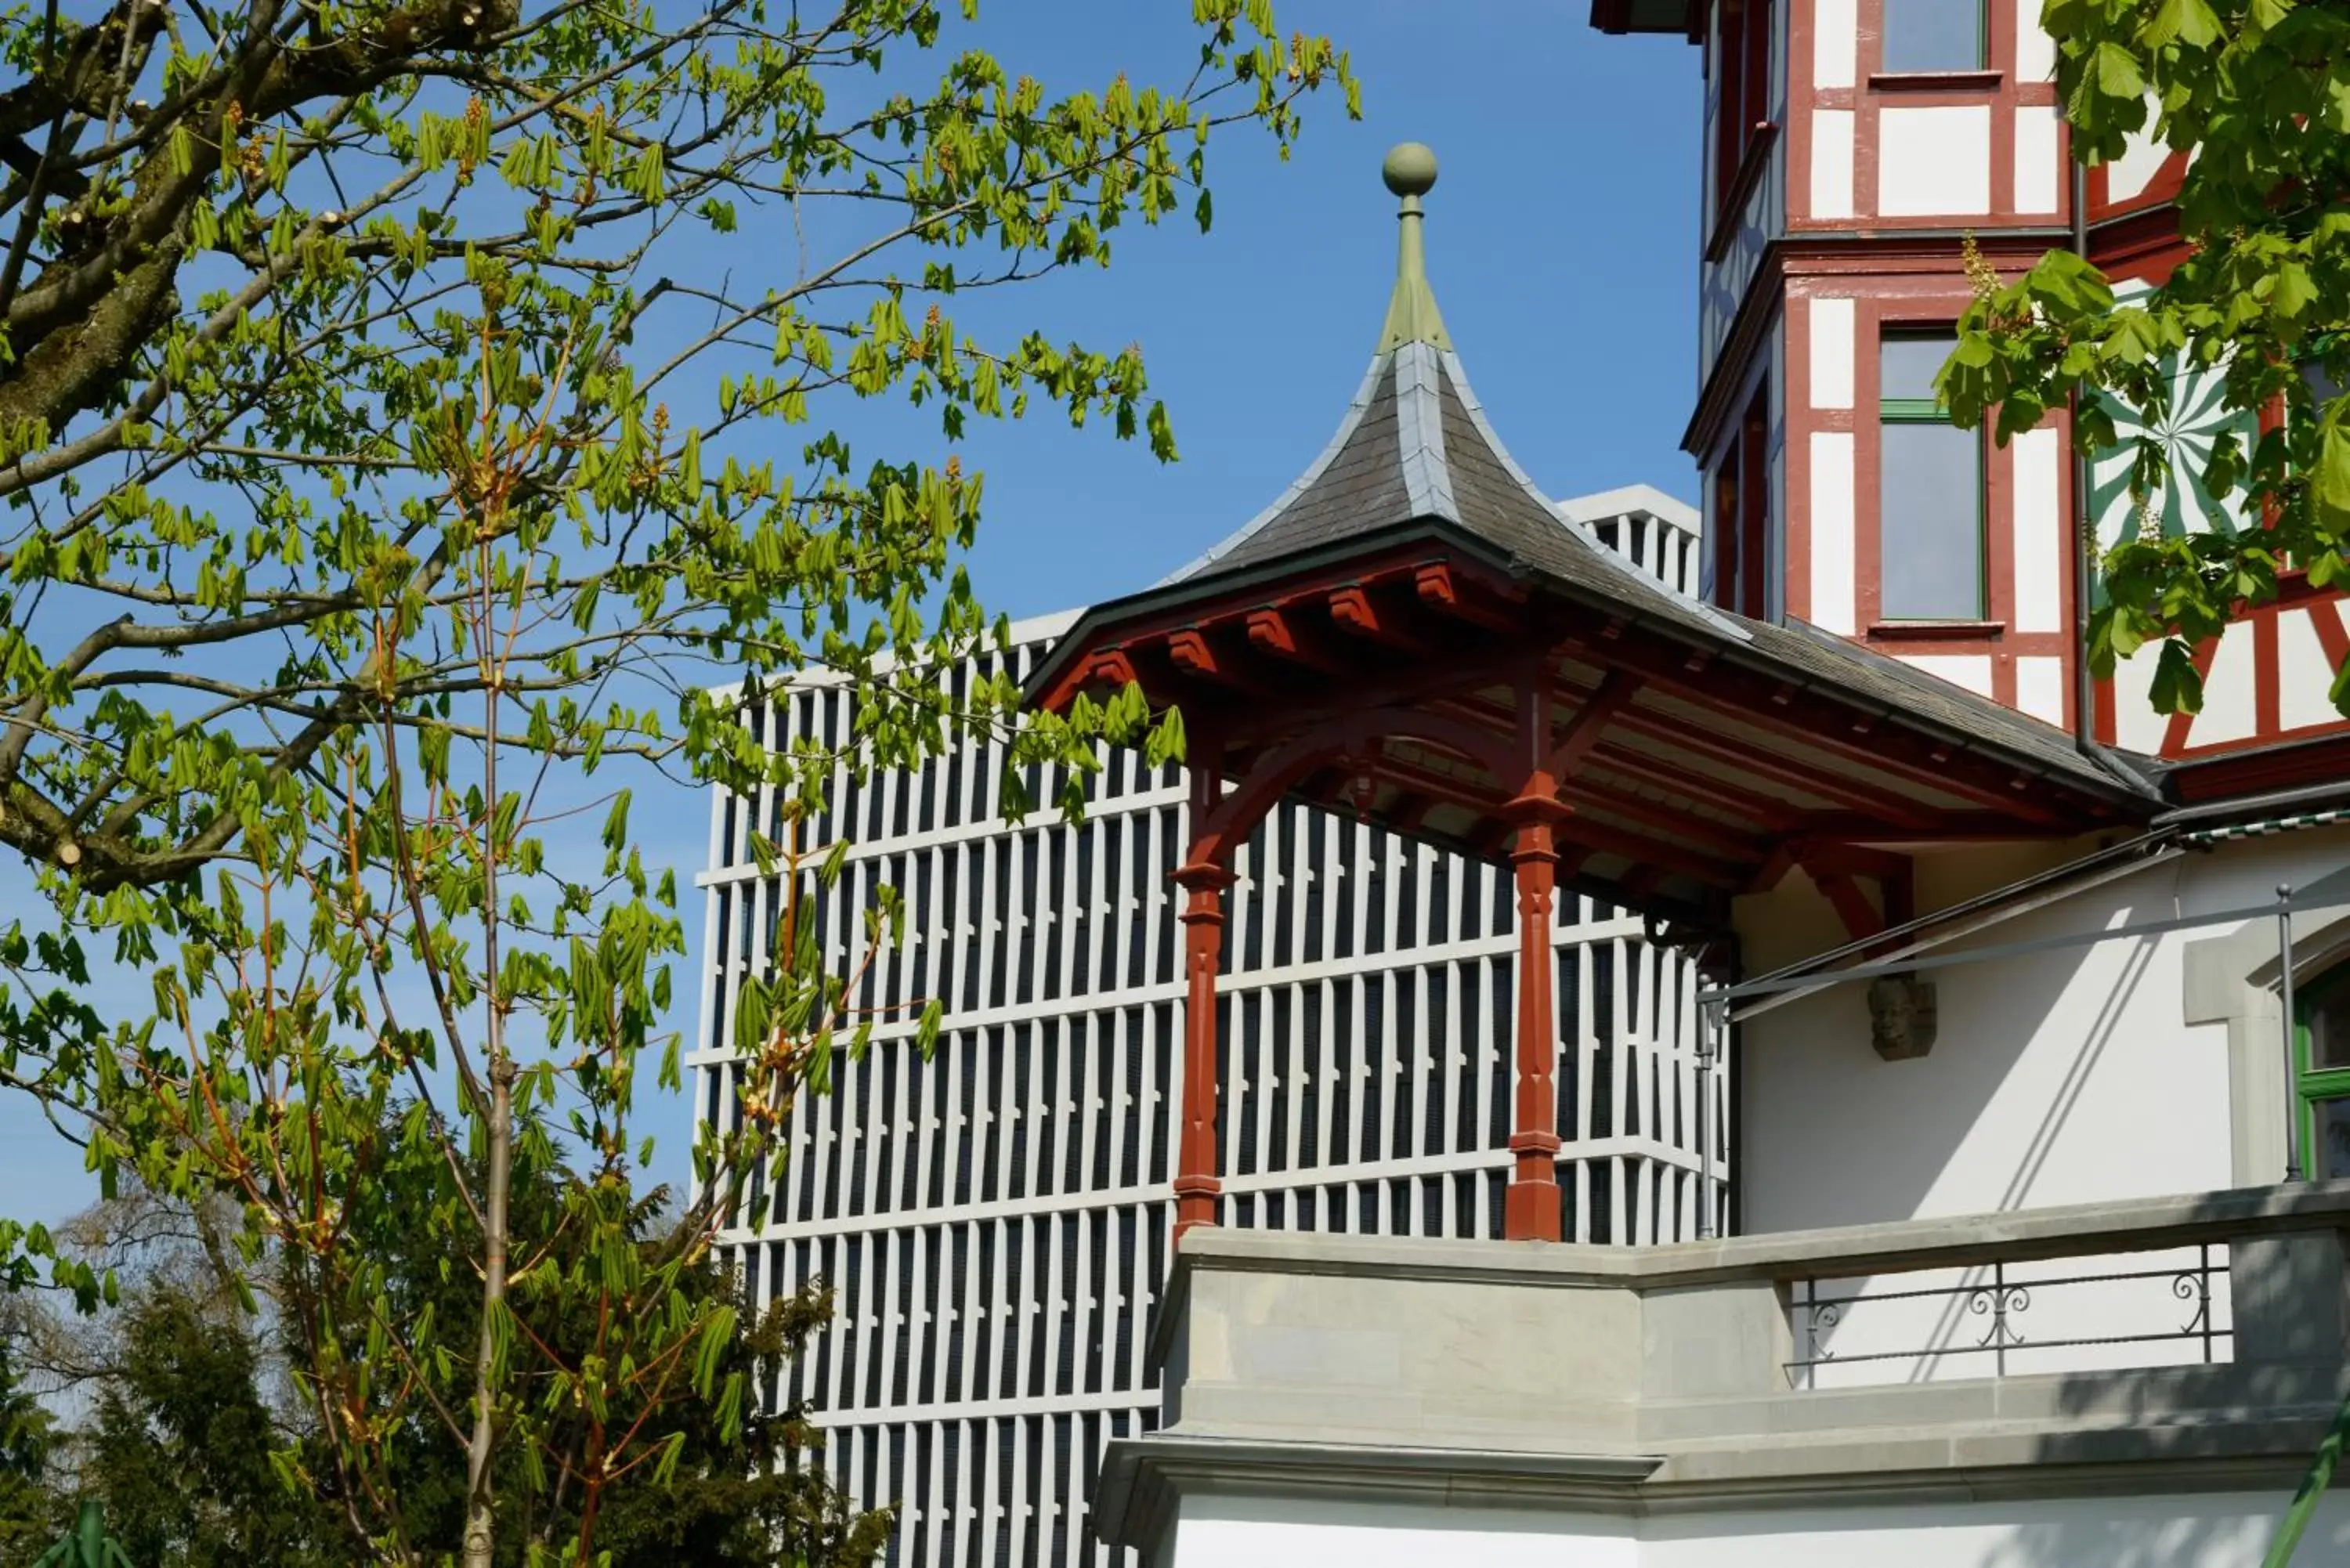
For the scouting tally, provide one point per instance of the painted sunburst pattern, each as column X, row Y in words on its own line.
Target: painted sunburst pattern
column 2187, row 432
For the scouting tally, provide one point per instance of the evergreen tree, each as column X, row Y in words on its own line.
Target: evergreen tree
column 29, row 1507
column 179, row 1447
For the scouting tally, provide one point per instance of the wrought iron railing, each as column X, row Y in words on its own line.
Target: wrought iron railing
column 1980, row 1323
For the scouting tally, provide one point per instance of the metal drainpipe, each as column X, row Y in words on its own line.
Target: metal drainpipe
column 2084, row 557
column 2085, row 554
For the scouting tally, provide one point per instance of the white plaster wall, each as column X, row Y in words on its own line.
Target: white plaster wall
column 1832, row 532
column 2137, row 726
column 1832, row 163
column 2304, row 674
column 2230, row 690
column 2035, row 51
column 2220, row 1530
column 1972, row 670
column 2040, row 688
column 1836, row 42
column 1833, row 334
column 1933, row 162
column 2065, row 1076
column 2038, row 163
column 2038, row 457
column 2142, row 158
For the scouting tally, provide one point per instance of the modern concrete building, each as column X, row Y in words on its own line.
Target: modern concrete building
column 995, row 1220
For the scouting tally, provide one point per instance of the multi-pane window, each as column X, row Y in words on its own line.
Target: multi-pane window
column 1930, row 490
column 1742, row 521
column 1933, row 36
column 2325, row 1045
column 1743, row 77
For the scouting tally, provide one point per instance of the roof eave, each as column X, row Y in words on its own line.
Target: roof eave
column 1685, row 17
column 1210, row 585
column 1155, row 603
column 2100, row 785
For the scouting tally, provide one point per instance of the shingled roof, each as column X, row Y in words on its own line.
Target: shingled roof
column 1415, row 451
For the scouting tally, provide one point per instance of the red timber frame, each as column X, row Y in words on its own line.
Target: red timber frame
column 1424, row 678
column 1220, row 822
column 2143, row 245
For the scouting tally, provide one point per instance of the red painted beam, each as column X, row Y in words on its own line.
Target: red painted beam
column 1823, row 722
column 1861, row 921
column 1766, row 814
column 1191, row 651
column 1440, row 590
column 1718, row 836
column 1854, row 860
column 1278, row 635
column 1849, row 793
column 1589, row 726
column 1353, row 609
column 1985, row 828
column 1597, row 836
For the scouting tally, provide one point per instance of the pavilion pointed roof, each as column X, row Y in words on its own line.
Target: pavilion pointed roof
column 1415, row 447
column 1412, row 618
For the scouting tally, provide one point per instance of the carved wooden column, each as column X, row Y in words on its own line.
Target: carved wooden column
column 1196, row 1183
column 1531, row 1212
column 1204, row 879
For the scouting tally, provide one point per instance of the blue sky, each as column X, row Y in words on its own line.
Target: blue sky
column 1562, row 242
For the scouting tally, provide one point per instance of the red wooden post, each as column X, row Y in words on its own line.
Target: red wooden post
column 1196, row 1186
column 1531, row 1209
column 1204, row 879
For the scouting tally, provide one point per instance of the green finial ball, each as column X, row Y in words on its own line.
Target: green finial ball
column 1410, row 170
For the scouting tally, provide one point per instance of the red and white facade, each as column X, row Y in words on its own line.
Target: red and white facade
column 1839, row 190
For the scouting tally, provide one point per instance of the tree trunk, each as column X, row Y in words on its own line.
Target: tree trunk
column 479, row 1527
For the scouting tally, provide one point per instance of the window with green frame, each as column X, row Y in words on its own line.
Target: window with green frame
column 2321, row 1036
column 1935, row 36
column 1929, row 482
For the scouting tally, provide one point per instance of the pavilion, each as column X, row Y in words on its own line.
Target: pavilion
column 1413, row 629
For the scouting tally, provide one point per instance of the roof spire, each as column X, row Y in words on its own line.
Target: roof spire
column 1411, row 172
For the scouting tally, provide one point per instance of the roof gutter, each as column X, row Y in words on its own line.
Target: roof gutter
column 2167, row 837
column 2334, row 792
column 1997, row 907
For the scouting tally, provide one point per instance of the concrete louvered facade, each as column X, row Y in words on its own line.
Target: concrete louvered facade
column 994, row 1220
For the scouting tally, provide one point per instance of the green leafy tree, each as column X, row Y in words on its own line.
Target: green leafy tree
column 180, row 1422
column 2255, row 89
column 738, row 1494
column 408, row 414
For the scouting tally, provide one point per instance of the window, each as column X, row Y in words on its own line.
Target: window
column 2324, row 385
column 1930, row 490
column 1742, row 73
column 2324, row 1041
column 1924, row 35
column 1740, row 527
